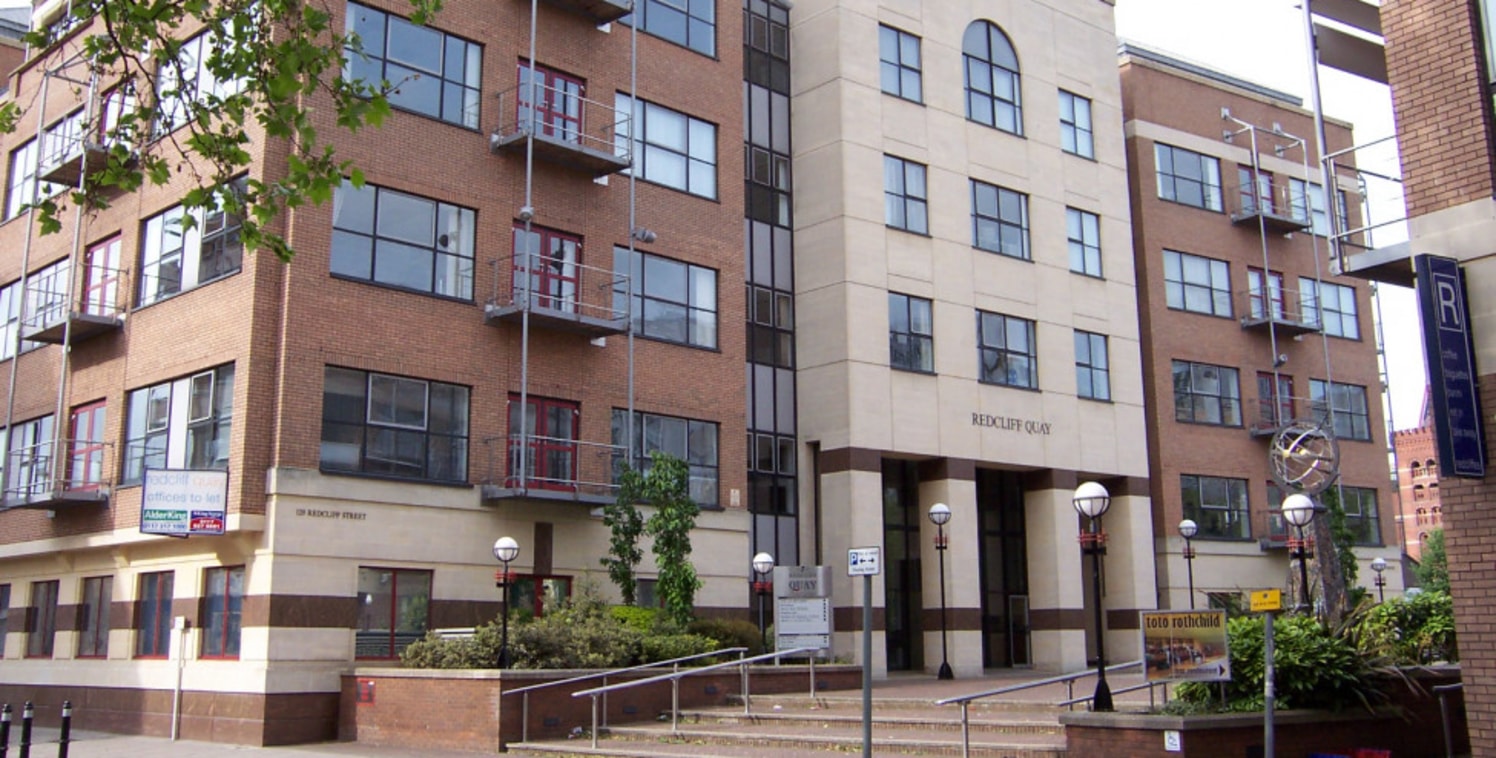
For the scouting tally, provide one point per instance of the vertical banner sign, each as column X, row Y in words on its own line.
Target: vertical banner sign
column 181, row 502
column 1450, row 355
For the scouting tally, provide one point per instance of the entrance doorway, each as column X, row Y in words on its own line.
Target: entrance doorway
column 902, row 599
column 1003, row 561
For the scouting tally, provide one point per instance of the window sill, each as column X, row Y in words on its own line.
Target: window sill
column 1207, row 423
column 397, row 288
column 398, row 479
column 899, row 97
column 1010, row 256
column 924, row 234
column 1220, row 211
column 186, row 290
column 1225, row 316
column 907, row 370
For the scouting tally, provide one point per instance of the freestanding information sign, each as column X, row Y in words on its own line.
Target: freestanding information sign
column 866, row 562
column 802, row 607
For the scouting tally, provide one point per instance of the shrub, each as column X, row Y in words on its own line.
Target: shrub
column 1315, row 668
column 481, row 651
column 729, row 633
column 663, row 647
column 638, row 619
column 1410, row 631
column 581, row 634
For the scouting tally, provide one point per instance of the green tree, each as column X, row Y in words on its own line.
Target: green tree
column 626, row 525
column 1432, row 570
column 271, row 76
column 670, row 526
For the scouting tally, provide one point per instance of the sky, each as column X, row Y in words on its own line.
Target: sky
column 1262, row 41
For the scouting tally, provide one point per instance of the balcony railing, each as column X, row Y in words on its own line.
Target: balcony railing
column 568, row 129
column 1278, row 211
column 52, row 312
column 31, row 481
column 554, row 468
column 1378, row 247
column 559, row 294
column 596, row 11
column 1283, row 309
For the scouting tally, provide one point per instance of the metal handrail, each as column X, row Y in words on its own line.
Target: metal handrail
column 675, row 677
column 1067, row 679
column 1441, row 690
column 1134, row 688
column 524, row 726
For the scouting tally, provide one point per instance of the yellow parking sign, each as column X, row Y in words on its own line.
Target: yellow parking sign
column 1267, row 600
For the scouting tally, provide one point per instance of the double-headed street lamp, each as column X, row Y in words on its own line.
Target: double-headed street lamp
column 1298, row 510
column 1188, row 529
column 763, row 564
column 1379, row 565
column 1091, row 500
column 940, row 514
column 505, row 549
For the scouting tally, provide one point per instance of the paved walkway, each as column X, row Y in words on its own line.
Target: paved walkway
column 898, row 687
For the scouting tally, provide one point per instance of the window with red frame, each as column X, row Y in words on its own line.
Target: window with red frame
column 1266, row 297
column 153, row 615
column 536, row 593
column 86, row 458
column 549, row 441
column 223, row 601
column 101, row 283
column 93, row 617
column 42, row 629
column 394, row 609
column 1274, row 406
column 559, row 115
column 545, row 267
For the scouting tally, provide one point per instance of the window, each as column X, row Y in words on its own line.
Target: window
column 1348, row 403
column 432, row 73
column 771, row 329
column 394, row 610
column 1092, row 371
column 4, row 615
column 86, row 461
column 25, row 187
column 153, row 615
column 1076, row 135
column 1361, row 515
column 93, row 617
column 673, row 301
column 1274, row 403
column 175, row 258
column 1206, row 394
column 898, row 56
column 537, row 594
column 394, row 425
column 999, row 220
column 690, row 23
column 1331, row 306
column 1007, row 351
column 28, row 459
column 669, row 147
column 1083, row 229
column 102, row 279
column 1315, row 214
column 1259, row 200
column 1187, row 177
column 549, row 442
column 48, row 298
column 42, row 627
column 560, row 113
column 911, row 333
column 546, row 268
column 10, row 315
column 1201, row 285
column 1265, row 293
column 1218, row 505
column 191, row 81
column 904, row 195
column 993, row 94
column 183, row 423
column 62, row 140
column 223, row 602
column 400, row 240
column 692, row 441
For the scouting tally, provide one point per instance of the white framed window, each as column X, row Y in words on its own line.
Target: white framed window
column 190, row 81
column 24, row 188
column 175, row 258
column 184, row 423
column 669, row 147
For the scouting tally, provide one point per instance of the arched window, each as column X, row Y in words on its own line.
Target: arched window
column 1431, row 467
column 993, row 95
column 1422, row 516
column 1417, row 492
column 1415, row 470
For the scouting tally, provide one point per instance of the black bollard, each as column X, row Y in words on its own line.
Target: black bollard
column 4, row 729
column 27, row 712
column 67, row 729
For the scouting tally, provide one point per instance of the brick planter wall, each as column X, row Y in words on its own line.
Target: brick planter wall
column 464, row 710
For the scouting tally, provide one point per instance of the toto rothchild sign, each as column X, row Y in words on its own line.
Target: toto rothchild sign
column 1450, row 355
column 184, row 502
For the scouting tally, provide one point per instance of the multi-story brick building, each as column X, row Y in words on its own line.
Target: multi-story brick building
column 460, row 350
column 1244, row 331
column 1419, row 509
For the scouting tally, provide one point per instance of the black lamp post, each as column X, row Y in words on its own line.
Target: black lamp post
column 1298, row 510
column 505, row 549
column 763, row 564
column 940, row 514
column 1188, row 529
column 1379, row 565
column 1091, row 500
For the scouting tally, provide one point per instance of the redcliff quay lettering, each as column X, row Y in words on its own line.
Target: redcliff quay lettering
column 1010, row 424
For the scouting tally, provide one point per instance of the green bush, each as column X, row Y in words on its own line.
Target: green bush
column 638, row 619
column 663, row 647
column 729, row 633
column 481, row 651
column 1410, row 631
column 580, row 634
column 1315, row 668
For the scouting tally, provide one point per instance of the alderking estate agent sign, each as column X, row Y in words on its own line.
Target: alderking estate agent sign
column 183, row 502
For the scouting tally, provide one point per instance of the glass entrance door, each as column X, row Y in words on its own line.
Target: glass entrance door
column 1004, row 570
column 902, row 599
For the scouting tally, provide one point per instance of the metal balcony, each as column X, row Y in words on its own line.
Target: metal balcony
column 1378, row 249
column 567, row 130
column 1278, row 212
column 1280, row 309
column 31, row 483
column 54, row 319
column 70, row 165
column 559, row 294
column 596, row 11
column 556, row 469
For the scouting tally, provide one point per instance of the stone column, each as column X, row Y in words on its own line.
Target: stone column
column 963, row 583
column 1057, row 610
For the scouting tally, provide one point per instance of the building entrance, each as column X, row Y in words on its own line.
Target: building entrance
column 1003, row 566
column 902, row 599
